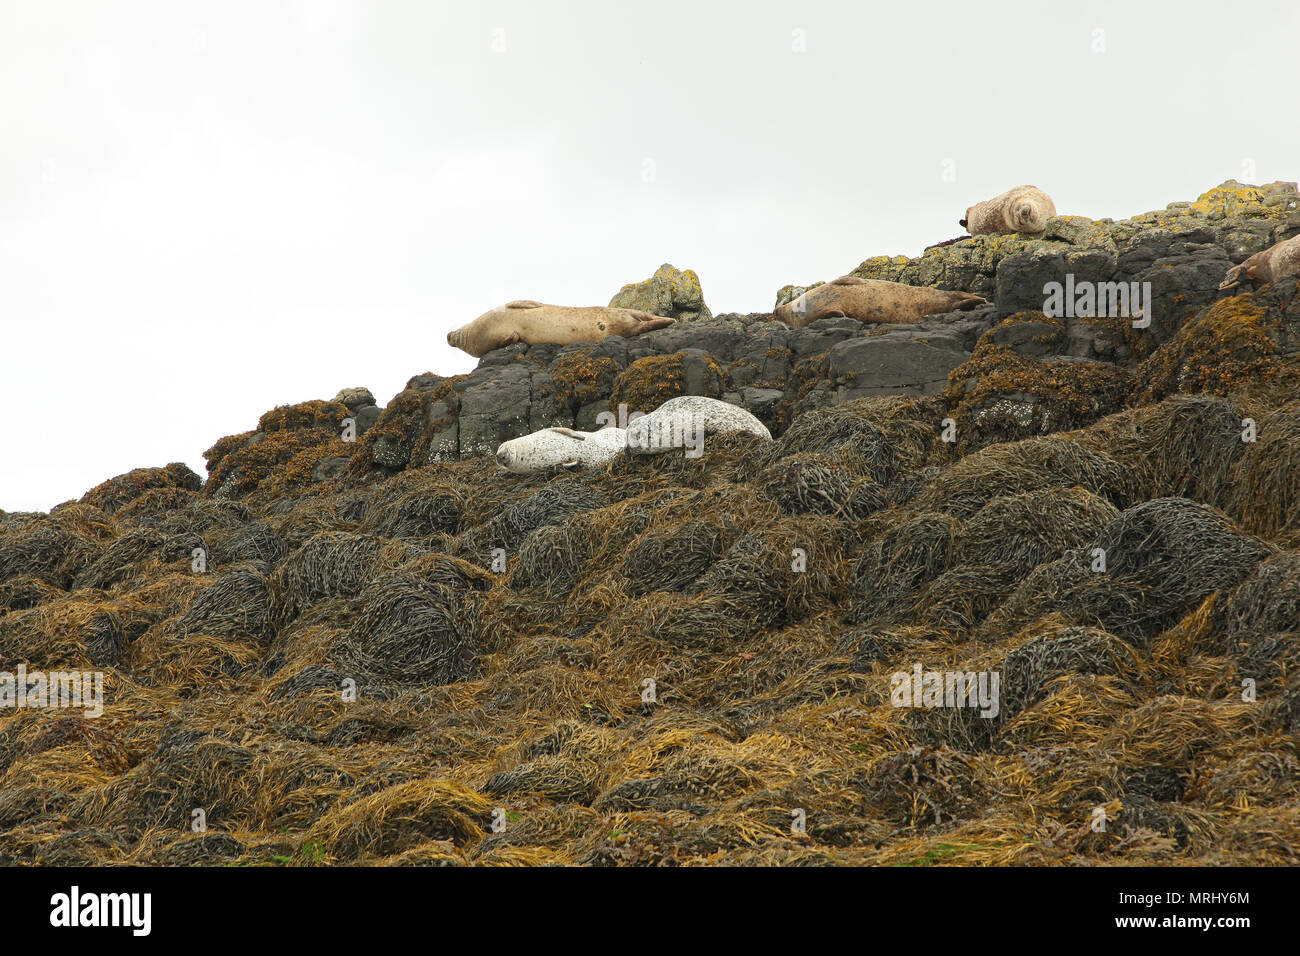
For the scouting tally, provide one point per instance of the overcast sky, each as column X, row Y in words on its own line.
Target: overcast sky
column 208, row 209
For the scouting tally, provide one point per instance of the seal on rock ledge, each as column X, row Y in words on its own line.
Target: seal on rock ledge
column 1278, row 261
column 536, row 324
column 872, row 300
column 683, row 422
column 1023, row 209
column 560, row 448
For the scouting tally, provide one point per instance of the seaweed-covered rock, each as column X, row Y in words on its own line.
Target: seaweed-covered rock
column 117, row 492
column 1233, row 343
column 1153, row 563
column 649, row 382
column 1004, row 394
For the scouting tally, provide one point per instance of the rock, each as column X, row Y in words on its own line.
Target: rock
column 585, row 420
column 424, row 382
column 1030, row 334
column 788, row 293
column 762, row 402
column 649, row 382
column 1072, row 229
column 494, row 409
column 893, row 363
column 1182, row 284
column 354, row 398
column 328, row 468
column 669, row 292
column 367, row 416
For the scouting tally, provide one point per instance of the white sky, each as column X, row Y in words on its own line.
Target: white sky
column 208, row 209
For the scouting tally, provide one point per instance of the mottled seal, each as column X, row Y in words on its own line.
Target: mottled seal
column 683, row 422
column 872, row 300
column 560, row 448
column 537, row 324
column 1023, row 209
column 1278, row 261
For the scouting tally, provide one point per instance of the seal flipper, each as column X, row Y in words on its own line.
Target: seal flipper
column 1233, row 277
column 569, row 433
column 969, row 302
column 849, row 280
column 523, row 304
column 647, row 322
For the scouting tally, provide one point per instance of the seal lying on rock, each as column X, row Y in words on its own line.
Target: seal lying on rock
column 538, row 324
column 1278, row 261
column 560, row 448
column 872, row 300
column 1023, row 209
column 683, row 422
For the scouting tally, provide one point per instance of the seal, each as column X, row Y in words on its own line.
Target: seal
column 1023, row 209
column 565, row 448
column 1278, row 261
column 538, row 324
column 683, row 422
column 872, row 300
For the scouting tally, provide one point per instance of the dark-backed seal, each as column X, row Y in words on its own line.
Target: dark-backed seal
column 872, row 300
column 1278, row 261
column 1023, row 209
column 538, row 324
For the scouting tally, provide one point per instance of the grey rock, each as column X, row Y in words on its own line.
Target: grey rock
column 585, row 420
column 367, row 416
column 669, row 292
column 495, row 408
column 893, row 363
column 354, row 398
column 328, row 468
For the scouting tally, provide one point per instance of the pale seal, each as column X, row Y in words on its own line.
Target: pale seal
column 536, row 324
column 1278, row 261
column 560, row 448
column 683, row 422
column 872, row 300
column 1023, row 209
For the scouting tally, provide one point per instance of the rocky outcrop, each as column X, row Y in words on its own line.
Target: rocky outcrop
column 1032, row 373
column 669, row 292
